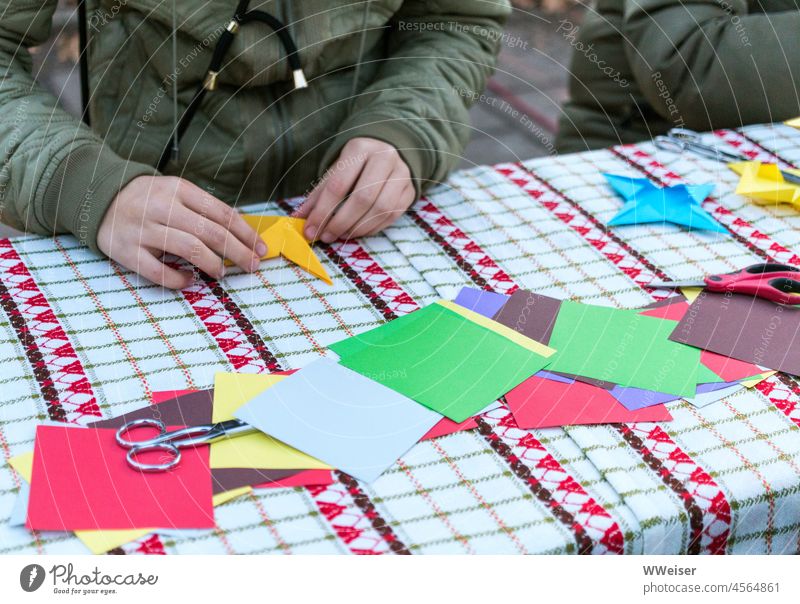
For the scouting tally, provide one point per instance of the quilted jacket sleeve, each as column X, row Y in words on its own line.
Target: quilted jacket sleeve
column 56, row 175
column 715, row 63
column 438, row 59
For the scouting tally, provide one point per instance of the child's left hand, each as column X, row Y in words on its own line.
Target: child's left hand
column 374, row 180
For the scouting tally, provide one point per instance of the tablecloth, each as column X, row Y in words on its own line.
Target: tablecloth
column 81, row 338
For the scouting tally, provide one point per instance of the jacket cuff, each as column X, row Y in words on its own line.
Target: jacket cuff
column 413, row 150
column 83, row 186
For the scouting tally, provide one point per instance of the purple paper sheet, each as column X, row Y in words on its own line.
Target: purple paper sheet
column 481, row 301
column 635, row 398
column 556, row 377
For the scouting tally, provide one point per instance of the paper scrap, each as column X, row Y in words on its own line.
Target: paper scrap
column 747, row 328
column 231, row 391
column 543, row 403
column 623, row 347
column 340, row 416
column 81, row 481
column 481, row 301
column 444, row 361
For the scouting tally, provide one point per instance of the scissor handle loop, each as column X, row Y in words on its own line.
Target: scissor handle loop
column 140, row 423
column 173, row 452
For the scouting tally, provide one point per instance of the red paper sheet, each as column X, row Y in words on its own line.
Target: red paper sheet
column 81, row 481
column 543, row 403
column 729, row 369
column 306, row 478
column 165, row 395
column 448, row 426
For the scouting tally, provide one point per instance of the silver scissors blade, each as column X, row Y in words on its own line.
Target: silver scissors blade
column 674, row 284
column 683, row 139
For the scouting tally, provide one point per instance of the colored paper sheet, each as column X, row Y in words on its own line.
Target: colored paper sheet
column 259, row 451
column 284, row 236
column 20, row 510
column 647, row 203
column 481, row 301
column 100, row 542
column 543, row 403
column 728, row 369
column 794, row 122
column 690, row 293
column 189, row 408
column 367, row 339
column 750, row 329
column 623, row 347
column 303, row 478
column 673, row 310
column 754, row 381
column 498, row 328
column 228, row 479
column 703, row 399
column 337, row 415
column 81, row 481
column 634, row 399
column 448, row 426
column 764, row 182
column 446, row 362
column 531, row 314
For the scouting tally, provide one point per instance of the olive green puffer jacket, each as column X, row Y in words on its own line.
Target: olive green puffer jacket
column 254, row 137
column 640, row 67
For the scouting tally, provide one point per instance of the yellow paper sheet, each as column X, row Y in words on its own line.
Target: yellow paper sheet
column 231, row 391
column 757, row 379
column 764, row 182
column 691, row 293
column 498, row 328
column 99, row 542
column 794, row 123
column 284, row 236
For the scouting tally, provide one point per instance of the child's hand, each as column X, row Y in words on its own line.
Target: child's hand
column 376, row 182
column 157, row 214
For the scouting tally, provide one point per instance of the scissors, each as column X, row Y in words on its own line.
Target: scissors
column 775, row 282
column 678, row 140
column 171, row 443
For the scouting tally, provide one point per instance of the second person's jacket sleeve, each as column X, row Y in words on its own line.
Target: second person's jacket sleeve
column 712, row 63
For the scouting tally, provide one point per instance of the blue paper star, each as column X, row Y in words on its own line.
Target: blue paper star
column 647, row 203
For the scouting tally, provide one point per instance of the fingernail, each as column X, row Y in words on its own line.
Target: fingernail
column 309, row 232
column 254, row 264
column 327, row 237
column 261, row 248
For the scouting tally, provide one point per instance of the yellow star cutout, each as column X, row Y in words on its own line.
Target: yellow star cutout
column 284, row 237
column 765, row 182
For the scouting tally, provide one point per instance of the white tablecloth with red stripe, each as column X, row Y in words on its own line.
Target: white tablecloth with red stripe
column 81, row 338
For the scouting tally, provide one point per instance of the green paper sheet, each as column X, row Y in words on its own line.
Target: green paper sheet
column 623, row 347
column 359, row 342
column 442, row 360
column 707, row 376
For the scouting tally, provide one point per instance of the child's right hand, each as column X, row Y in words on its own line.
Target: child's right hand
column 157, row 214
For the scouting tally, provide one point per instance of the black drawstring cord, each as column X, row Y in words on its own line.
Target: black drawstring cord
column 286, row 39
column 241, row 17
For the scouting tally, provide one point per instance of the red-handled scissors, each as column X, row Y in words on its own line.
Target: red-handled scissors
column 775, row 282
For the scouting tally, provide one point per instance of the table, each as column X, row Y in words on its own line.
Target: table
column 80, row 337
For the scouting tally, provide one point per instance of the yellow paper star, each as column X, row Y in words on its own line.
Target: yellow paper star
column 765, row 182
column 284, row 237
column 794, row 123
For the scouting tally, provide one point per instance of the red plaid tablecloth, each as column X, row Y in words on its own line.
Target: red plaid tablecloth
column 81, row 338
